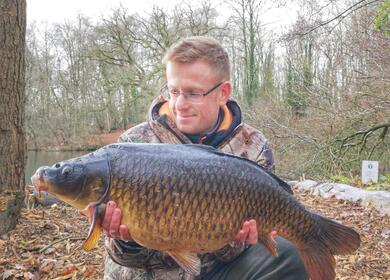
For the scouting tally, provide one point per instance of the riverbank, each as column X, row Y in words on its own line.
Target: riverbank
column 52, row 154
column 85, row 143
column 94, row 142
column 379, row 199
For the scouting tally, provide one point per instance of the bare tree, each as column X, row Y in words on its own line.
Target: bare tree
column 341, row 15
column 341, row 80
column 252, row 63
column 12, row 96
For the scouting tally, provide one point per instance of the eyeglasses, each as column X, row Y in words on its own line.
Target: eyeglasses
column 192, row 97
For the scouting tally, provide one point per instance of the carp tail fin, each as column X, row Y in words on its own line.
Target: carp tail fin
column 319, row 262
column 332, row 239
column 339, row 238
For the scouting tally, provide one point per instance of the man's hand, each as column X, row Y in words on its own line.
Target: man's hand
column 111, row 223
column 248, row 234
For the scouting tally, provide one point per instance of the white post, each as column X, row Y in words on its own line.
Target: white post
column 369, row 171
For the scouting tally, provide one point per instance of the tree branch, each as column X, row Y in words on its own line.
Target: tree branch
column 342, row 15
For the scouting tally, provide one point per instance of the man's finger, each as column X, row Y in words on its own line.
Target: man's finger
column 124, row 233
column 252, row 233
column 245, row 227
column 239, row 236
column 111, row 205
column 115, row 223
column 243, row 233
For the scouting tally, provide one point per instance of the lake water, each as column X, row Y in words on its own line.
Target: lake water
column 36, row 159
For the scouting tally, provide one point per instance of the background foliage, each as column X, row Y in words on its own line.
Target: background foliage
column 319, row 91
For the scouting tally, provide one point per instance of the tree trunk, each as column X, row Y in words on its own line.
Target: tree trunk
column 12, row 107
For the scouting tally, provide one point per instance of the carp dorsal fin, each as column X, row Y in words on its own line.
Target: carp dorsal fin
column 282, row 183
column 187, row 261
column 95, row 230
column 211, row 149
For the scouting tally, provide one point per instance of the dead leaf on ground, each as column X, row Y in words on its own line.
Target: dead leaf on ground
column 63, row 227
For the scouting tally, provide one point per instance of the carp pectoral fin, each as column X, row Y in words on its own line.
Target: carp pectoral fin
column 93, row 238
column 187, row 261
column 269, row 243
column 95, row 230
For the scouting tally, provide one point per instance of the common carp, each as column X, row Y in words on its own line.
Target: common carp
column 189, row 199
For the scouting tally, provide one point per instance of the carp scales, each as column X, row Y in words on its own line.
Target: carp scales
column 190, row 199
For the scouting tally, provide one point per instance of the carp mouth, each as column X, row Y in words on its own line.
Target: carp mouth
column 42, row 181
column 39, row 183
column 76, row 181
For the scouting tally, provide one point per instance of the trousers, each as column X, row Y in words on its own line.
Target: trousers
column 255, row 263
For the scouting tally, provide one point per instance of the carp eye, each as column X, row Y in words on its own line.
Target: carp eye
column 66, row 171
column 57, row 165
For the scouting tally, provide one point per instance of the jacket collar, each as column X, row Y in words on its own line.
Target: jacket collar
column 162, row 123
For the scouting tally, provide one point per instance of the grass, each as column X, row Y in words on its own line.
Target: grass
column 382, row 184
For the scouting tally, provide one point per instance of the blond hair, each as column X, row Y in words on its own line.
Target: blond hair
column 195, row 48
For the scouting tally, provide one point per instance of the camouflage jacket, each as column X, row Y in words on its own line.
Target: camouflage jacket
column 136, row 262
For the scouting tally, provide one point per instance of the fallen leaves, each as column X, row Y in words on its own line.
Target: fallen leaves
column 372, row 259
column 70, row 270
column 46, row 244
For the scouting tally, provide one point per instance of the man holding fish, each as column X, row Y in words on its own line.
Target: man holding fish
column 195, row 107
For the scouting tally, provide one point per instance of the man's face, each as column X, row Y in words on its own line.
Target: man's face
column 195, row 77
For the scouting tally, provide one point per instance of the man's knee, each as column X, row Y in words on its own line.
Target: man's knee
column 257, row 263
column 288, row 251
column 289, row 261
column 114, row 271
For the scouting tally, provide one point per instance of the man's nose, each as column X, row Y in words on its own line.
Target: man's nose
column 182, row 102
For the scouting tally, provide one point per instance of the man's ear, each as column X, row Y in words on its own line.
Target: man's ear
column 226, row 89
